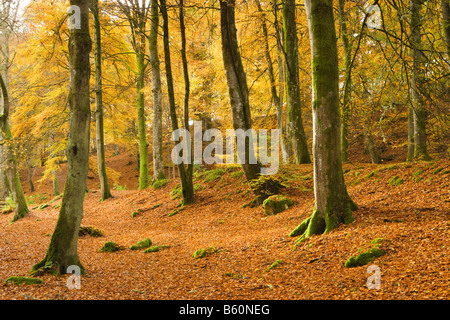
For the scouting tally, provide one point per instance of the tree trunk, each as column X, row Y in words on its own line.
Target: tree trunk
column 11, row 177
column 100, row 139
column 294, row 123
column 446, row 23
column 30, row 175
column 345, row 110
column 62, row 251
column 333, row 205
column 142, row 133
column 420, row 113
column 186, row 184
column 190, row 165
column 237, row 83
column 158, row 163
column 410, row 144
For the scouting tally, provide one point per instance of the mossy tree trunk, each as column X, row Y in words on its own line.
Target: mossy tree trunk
column 237, row 83
column 446, row 23
column 62, row 250
column 294, row 122
column 100, row 138
column 346, row 98
column 158, row 164
column 136, row 13
column 420, row 113
column 333, row 205
column 186, row 183
column 11, row 175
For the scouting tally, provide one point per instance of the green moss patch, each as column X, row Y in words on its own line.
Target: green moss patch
column 142, row 244
column 274, row 265
column 276, row 204
column 159, row 183
column 213, row 175
column 395, row 181
column 25, row 280
column 201, row 253
column 366, row 256
column 91, row 231
column 154, row 249
column 110, row 246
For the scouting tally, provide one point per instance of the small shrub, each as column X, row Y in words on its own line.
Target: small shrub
column 119, row 187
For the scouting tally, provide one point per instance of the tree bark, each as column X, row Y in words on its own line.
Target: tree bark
column 62, row 251
column 294, row 122
column 158, row 163
column 190, row 165
column 11, row 174
column 446, row 23
column 420, row 113
column 100, row 139
column 333, row 205
column 237, row 83
column 345, row 110
column 186, row 184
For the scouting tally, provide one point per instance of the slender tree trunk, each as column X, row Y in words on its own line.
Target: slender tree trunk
column 446, row 23
column 158, row 163
column 100, row 139
column 281, row 80
column 410, row 144
column 420, row 113
column 345, row 110
column 273, row 87
column 62, row 251
column 237, row 82
column 11, row 178
column 333, row 205
column 186, row 184
column 30, row 175
column 294, row 122
column 142, row 132
column 190, row 165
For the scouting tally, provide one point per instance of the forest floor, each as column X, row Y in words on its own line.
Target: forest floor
column 412, row 217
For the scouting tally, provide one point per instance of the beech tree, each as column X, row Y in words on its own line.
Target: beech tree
column 100, row 139
column 62, row 250
column 158, row 164
column 333, row 205
column 294, row 122
column 419, row 112
column 237, row 82
column 136, row 13
column 187, row 188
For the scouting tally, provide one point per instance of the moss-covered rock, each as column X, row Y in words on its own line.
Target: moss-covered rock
column 154, row 249
column 142, row 244
column 110, row 246
column 25, row 280
column 93, row 232
column 276, row 204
